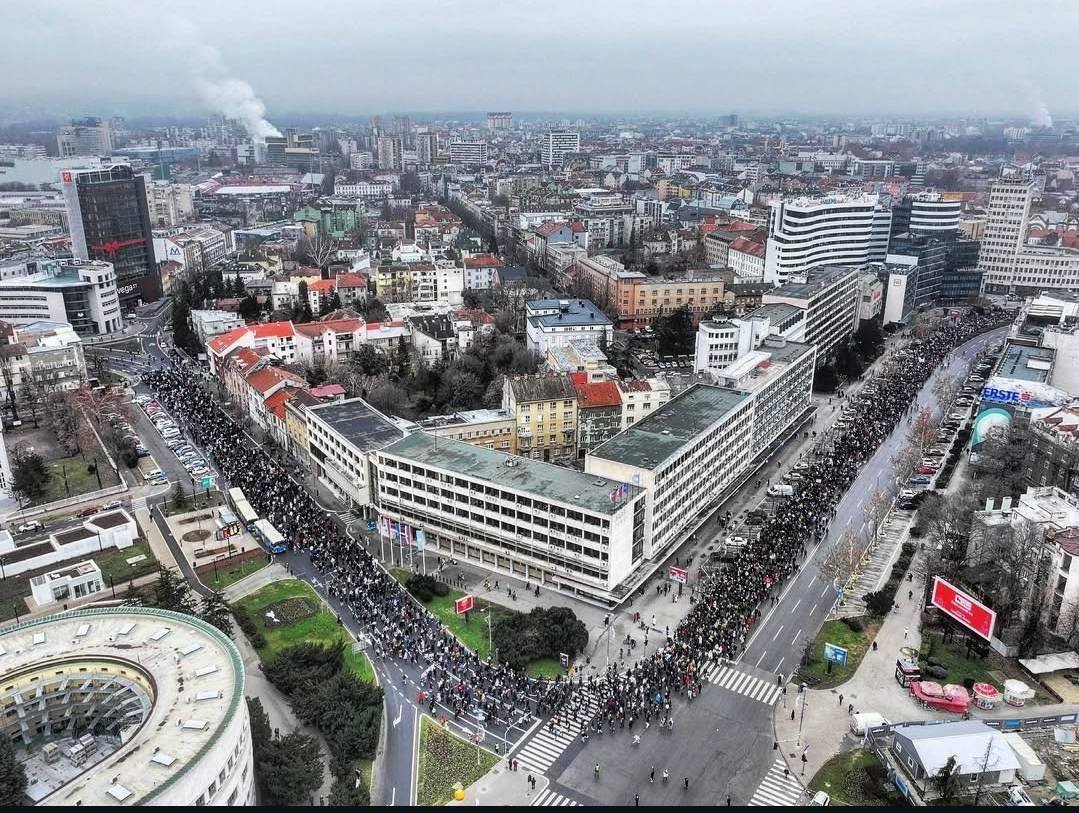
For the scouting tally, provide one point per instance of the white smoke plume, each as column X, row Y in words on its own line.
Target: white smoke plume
column 1039, row 116
column 220, row 90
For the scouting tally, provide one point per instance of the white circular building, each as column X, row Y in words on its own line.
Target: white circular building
column 127, row 706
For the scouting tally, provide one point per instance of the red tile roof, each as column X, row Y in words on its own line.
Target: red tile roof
column 351, row 281
column 598, row 394
column 577, row 226
column 273, row 330
column 548, row 228
column 219, row 344
column 276, row 402
column 747, row 247
column 334, row 326
column 475, row 316
column 327, row 391
column 245, row 358
column 322, row 286
column 483, row 261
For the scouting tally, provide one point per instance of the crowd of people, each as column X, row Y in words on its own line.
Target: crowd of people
column 455, row 680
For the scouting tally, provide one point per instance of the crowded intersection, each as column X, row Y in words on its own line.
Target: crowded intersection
column 629, row 696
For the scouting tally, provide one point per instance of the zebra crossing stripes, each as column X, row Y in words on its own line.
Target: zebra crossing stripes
column 548, row 798
column 742, row 683
column 778, row 789
column 545, row 747
column 138, row 503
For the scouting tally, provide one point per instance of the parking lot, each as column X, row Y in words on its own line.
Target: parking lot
column 177, row 460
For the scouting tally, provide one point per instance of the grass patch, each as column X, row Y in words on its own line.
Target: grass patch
column 114, row 565
column 445, row 761
column 838, row 633
column 320, row 627
column 189, row 507
column 854, row 778
column 545, row 668
column 79, row 480
column 231, row 575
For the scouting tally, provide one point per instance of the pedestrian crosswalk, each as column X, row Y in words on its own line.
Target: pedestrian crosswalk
column 349, row 516
column 779, row 788
column 549, row 798
column 548, row 744
column 138, row 504
column 755, row 688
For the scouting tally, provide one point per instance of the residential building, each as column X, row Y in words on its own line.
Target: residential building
column 720, row 343
column 871, row 167
column 556, row 322
column 1052, row 457
column 328, row 340
column 261, row 385
column 110, row 221
column 276, row 338
column 544, row 407
column 79, row 292
column 810, row 233
column 169, row 204
column 556, row 145
column 362, row 159
column 40, row 357
column 210, row 323
column 499, row 121
column 830, row 297
column 352, row 288
column 434, row 337
column 342, row 437
column 684, row 455
column 580, row 356
column 90, row 136
column 544, row 524
column 599, row 411
column 1010, row 264
column 426, row 148
column 717, row 243
column 641, row 397
column 481, row 272
column 468, row 153
column 746, row 258
column 389, row 152
column 296, row 424
column 489, row 428
column 363, row 189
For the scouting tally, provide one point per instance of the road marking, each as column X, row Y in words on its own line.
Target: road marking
column 822, row 595
column 777, row 632
column 795, row 607
column 794, row 640
column 397, row 719
column 814, row 608
column 415, row 755
column 761, row 658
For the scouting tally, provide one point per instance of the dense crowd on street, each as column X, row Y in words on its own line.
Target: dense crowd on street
column 455, row 681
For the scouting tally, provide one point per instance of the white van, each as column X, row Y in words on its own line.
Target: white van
column 780, row 490
column 863, row 721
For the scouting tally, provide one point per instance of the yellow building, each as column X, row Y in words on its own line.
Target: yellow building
column 544, row 408
column 393, row 283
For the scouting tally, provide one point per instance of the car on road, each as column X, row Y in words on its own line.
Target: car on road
column 801, row 465
column 159, row 481
column 780, row 490
column 87, row 512
column 112, row 505
column 920, row 480
column 30, row 525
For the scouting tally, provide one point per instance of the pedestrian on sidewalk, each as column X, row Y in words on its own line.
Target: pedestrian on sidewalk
column 841, row 700
column 636, row 800
column 905, row 631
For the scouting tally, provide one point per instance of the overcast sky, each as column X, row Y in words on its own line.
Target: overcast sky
column 354, row 57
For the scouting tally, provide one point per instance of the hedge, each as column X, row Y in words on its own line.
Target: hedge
column 879, row 602
column 247, row 625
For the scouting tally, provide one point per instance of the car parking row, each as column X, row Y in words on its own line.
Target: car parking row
column 190, row 458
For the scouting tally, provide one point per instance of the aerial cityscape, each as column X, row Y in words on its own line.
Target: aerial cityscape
column 586, row 404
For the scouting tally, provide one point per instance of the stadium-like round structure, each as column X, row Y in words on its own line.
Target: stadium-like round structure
column 127, row 706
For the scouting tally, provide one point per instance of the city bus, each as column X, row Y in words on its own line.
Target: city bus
column 244, row 511
column 269, row 537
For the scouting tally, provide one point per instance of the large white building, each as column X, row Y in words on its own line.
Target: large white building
column 468, row 153
column 1008, row 263
column 128, row 706
column 934, row 214
column 809, row 233
column 363, row 189
column 830, row 298
column 170, row 204
column 557, row 322
column 80, row 292
column 534, row 521
column 48, row 354
column 683, row 455
column 87, row 137
column 556, row 145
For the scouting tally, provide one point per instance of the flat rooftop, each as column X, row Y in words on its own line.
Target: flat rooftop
column 1025, row 363
column 544, row 480
column 651, row 441
column 184, row 657
column 816, row 281
column 359, row 423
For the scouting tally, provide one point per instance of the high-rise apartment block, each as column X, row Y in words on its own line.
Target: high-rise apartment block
column 110, row 221
column 556, row 145
column 499, row 121
column 809, row 233
column 85, row 137
column 468, row 153
column 427, row 148
column 389, row 152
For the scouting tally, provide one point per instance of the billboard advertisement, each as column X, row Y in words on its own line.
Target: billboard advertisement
column 1027, row 394
column 964, row 608
column 991, row 424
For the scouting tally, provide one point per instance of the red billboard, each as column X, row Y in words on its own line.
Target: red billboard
column 964, row 608
column 463, row 604
column 678, row 574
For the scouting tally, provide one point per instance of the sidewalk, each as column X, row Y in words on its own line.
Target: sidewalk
column 501, row 787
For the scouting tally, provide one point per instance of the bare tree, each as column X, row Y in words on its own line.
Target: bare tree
column 842, row 559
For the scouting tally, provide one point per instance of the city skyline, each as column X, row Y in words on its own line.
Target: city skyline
column 915, row 58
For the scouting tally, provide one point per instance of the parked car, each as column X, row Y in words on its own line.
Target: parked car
column 820, row 799
column 159, row 481
column 87, row 512
column 920, row 480
column 112, row 505
column 923, row 469
column 780, row 490
column 30, row 525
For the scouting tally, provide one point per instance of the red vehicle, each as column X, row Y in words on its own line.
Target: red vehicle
column 86, row 512
column 925, row 470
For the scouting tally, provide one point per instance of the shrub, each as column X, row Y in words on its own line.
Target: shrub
column 968, row 683
column 916, row 531
column 878, row 603
column 908, row 549
column 442, row 589
column 854, row 624
column 247, row 625
column 425, row 588
column 938, row 672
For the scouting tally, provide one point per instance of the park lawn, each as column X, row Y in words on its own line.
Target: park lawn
column 845, row 777
column 446, row 760
column 170, row 508
column 856, row 644
column 231, row 575
column 79, row 480
column 319, row 628
column 545, row 668
column 114, row 566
